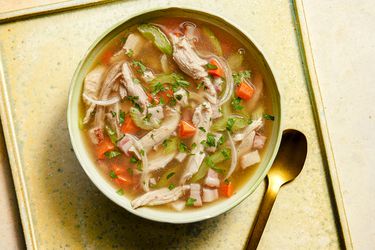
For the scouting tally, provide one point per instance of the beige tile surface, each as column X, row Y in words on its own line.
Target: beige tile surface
column 343, row 43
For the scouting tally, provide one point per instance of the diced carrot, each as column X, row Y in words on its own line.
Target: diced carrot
column 103, row 147
column 216, row 72
column 153, row 99
column 128, row 126
column 123, row 178
column 106, row 57
column 226, row 189
column 166, row 95
column 185, row 130
column 244, row 91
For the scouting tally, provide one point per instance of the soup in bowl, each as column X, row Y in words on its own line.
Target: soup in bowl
column 175, row 115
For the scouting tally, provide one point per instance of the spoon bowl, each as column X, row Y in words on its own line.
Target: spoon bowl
column 286, row 167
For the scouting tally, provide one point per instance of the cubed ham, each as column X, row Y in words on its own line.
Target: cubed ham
column 195, row 193
column 212, row 179
column 249, row 159
column 210, row 195
column 259, row 141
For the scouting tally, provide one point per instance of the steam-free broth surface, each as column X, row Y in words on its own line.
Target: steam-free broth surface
column 176, row 114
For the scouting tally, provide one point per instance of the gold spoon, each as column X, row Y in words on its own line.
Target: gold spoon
column 288, row 164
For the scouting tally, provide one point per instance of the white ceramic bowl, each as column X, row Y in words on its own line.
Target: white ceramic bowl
column 88, row 164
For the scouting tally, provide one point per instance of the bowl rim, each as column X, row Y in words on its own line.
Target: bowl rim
column 142, row 212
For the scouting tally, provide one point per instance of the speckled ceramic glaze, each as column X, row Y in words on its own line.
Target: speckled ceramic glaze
column 102, row 183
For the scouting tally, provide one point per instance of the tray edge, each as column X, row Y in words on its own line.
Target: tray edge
column 312, row 80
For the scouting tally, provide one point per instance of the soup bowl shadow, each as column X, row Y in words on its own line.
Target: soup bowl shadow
column 88, row 164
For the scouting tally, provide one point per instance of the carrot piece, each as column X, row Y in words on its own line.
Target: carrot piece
column 186, row 130
column 128, row 126
column 122, row 177
column 218, row 71
column 166, row 95
column 103, row 147
column 226, row 189
column 153, row 99
column 244, row 91
column 106, row 57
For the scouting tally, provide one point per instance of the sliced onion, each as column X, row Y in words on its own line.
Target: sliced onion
column 234, row 157
column 107, row 102
column 145, row 178
column 164, row 63
column 189, row 30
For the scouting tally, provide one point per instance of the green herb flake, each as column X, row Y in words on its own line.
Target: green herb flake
column 112, row 174
column 236, row 103
column 166, row 142
column 210, row 142
column 182, row 147
column 172, row 186
column 112, row 134
column 129, row 53
column 121, row 117
column 193, row 145
column 120, row 191
column 200, row 85
column 170, row 175
column 220, row 141
column 269, row 117
column 113, row 113
column 190, row 201
column 217, row 170
column 238, row 77
column 225, row 154
column 130, row 171
column 158, row 87
column 202, row 129
column 230, row 124
column 141, row 67
column 133, row 159
column 139, row 166
column 142, row 152
column 211, row 66
column 111, row 154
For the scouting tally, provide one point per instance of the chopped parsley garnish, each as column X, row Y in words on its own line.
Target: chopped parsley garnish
column 180, row 83
column 113, row 113
column 190, row 201
column 238, row 77
column 158, row 87
column 200, row 85
column 136, row 81
column 111, row 154
column 171, row 186
column 202, row 129
column 134, row 159
column 269, row 117
column 217, row 170
column 225, row 154
column 112, row 174
column 226, row 181
column 166, row 142
column 210, row 162
column 236, row 104
column 141, row 67
column 147, row 117
column 211, row 66
column 230, row 124
column 172, row 101
column 120, row 191
column 220, row 141
column 170, row 175
column 129, row 53
column 130, row 171
column 210, row 142
column 139, row 166
column 182, row 147
column 142, row 152
column 121, row 117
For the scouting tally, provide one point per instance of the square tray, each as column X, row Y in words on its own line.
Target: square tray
column 61, row 208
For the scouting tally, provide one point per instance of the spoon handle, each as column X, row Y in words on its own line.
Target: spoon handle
column 264, row 213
